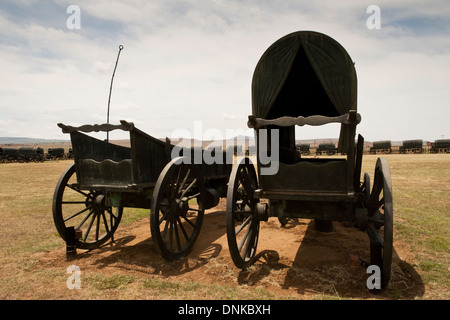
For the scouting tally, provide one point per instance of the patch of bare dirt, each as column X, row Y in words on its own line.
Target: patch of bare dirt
column 294, row 261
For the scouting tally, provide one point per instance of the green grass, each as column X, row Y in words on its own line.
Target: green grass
column 421, row 188
column 421, row 185
column 102, row 282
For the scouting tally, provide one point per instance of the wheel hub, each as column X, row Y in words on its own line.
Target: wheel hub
column 262, row 210
column 177, row 208
column 96, row 201
column 182, row 206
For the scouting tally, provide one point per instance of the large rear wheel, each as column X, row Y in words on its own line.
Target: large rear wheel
column 380, row 226
column 242, row 213
column 177, row 209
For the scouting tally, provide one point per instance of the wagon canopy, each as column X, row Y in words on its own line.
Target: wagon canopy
column 304, row 73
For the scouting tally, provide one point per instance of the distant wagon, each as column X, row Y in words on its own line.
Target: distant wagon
column 304, row 148
column 411, row 146
column 439, row 146
column 327, row 148
column 28, row 154
column 381, row 146
column 56, row 154
column 8, row 154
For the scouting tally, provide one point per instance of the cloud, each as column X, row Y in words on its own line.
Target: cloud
column 186, row 61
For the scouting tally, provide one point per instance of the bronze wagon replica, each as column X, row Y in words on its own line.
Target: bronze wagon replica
column 307, row 78
column 90, row 196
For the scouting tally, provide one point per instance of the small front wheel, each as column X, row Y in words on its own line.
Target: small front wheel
column 86, row 210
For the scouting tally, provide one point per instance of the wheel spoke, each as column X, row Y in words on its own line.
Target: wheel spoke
column 164, row 216
column 177, row 236
column 78, row 213
column 97, row 230
column 164, row 232
column 73, row 202
column 375, row 235
column 188, row 188
column 193, row 196
column 77, row 190
column 242, row 226
column 184, row 181
column 244, row 197
column 89, row 227
column 380, row 203
column 188, row 221
column 375, row 195
column 85, row 219
column 248, row 246
column 170, row 234
column 182, row 229
column 377, row 219
column 245, row 182
column 177, row 182
column 105, row 221
column 244, row 238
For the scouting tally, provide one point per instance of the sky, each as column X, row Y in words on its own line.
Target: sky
column 186, row 67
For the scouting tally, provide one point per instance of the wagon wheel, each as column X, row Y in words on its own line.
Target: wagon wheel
column 380, row 221
column 365, row 189
column 84, row 210
column 242, row 214
column 177, row 209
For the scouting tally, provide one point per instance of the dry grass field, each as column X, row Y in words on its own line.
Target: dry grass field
column 295, row 262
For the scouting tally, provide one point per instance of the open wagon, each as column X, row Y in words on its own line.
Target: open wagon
column 307, row 78
column 105, row 178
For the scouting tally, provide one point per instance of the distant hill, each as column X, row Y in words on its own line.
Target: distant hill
column 22, row 140
column 240, row 140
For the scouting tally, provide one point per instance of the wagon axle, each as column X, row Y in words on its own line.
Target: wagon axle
column 97, row 202
column 174, row 209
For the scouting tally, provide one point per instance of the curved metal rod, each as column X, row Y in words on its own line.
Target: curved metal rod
column 110, row 90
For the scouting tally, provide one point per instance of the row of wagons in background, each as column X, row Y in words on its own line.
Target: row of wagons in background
column 412, row 146
column 37, row 154
column 385, row 146
column 323, row 148
column 33, row 154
